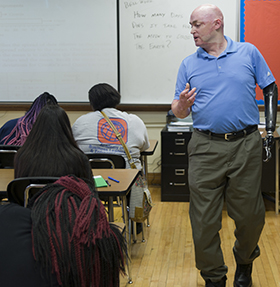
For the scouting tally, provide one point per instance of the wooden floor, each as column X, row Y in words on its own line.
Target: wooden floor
column 166, row 259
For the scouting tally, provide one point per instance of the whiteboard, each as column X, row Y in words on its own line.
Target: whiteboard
column 60, row 46
column 154, row 39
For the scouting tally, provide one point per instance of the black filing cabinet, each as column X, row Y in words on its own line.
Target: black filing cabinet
column 174, row 166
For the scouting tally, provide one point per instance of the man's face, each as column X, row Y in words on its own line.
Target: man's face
column 202, row 28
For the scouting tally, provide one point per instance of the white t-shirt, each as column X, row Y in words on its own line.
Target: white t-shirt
column 93, row 134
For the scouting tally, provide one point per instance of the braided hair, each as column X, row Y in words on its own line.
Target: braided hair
column 24, row 124
column 72, row 237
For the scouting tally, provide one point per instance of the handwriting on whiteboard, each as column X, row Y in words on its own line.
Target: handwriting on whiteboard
column 152, row 27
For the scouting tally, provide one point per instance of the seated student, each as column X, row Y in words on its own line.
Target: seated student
column 50, row 149
column 63, row 238
column 93, row 134
column 91, row 131
column 15, row 131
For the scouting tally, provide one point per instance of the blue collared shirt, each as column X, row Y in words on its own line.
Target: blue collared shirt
column 225, row 99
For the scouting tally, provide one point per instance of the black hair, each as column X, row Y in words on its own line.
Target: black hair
column 103, row 96
column 50, row 149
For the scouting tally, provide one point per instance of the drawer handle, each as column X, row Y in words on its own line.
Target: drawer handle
column 179, row 153
column 179, row 141
column 180, row 184
column 180, row 171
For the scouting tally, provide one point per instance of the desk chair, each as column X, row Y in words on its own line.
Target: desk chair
column 104, row 160
column 7, row 154
column 21, row 189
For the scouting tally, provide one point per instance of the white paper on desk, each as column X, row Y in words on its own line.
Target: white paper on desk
column 179, row 123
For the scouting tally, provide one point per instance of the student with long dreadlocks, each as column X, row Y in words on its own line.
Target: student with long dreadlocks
column 50, row 149
column 72, row 243
column 15, row 131
column 63, row 238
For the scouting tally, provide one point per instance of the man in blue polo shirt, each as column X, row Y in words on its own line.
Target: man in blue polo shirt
column 217, row 84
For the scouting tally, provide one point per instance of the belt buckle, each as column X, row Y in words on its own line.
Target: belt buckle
column 226, row 136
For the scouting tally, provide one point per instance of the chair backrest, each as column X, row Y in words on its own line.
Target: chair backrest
column 21, row 189
column 104, row 160
column 7, row 154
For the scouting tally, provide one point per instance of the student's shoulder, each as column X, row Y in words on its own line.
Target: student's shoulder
column 134, row 118
column 10, row 123
column 84, row 118
column 13, row 211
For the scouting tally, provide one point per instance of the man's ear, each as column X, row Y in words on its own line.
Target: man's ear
column 218, row 23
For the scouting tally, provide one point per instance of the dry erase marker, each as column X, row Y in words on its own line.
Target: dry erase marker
column 108, row 182
column 113, row 179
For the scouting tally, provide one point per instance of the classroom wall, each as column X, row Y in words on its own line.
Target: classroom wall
column 155, row 122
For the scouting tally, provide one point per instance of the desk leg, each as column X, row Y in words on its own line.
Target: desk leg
column 127, row 237
column 144, row 162
column 277, row 176
column 111, row 209
column 145, row 166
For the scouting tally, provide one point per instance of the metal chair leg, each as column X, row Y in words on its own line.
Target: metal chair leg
column 135, row 232
column 127, row 222
column 143, row 234
column 148, row 221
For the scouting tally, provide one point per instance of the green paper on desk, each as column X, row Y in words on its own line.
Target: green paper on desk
column 99, row 181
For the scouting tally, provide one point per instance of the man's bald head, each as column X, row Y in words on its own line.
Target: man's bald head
column 209, row 12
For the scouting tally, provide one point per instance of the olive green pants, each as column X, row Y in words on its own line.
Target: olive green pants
column 229, row 171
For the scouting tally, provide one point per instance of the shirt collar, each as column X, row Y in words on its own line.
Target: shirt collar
column 231, row 48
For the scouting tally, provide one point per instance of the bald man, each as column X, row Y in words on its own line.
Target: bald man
column 217, row 85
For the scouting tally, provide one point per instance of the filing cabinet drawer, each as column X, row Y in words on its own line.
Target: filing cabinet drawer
column 174, row 147
column 174, row 183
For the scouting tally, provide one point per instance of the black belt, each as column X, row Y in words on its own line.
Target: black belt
column 230, row 136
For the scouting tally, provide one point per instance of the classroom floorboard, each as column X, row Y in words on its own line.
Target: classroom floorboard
column 166, row 259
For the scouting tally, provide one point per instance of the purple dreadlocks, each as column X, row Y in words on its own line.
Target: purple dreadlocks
column 72, row 237
column 24, row 124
